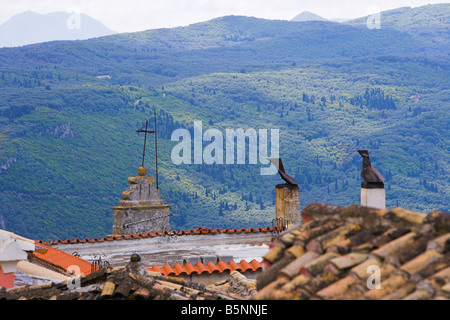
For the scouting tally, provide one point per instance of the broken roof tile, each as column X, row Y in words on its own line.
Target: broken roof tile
column 348, row 260
column 316, row 266
column 295, row 267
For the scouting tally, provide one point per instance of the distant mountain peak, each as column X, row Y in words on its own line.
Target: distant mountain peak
column 30, row 27
column 308, row 16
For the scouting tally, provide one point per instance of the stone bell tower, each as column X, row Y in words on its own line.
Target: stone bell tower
column 141, row 210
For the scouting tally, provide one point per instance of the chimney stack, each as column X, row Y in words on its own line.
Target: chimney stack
column 287, row 196
column 287, row 203
column 373, row 193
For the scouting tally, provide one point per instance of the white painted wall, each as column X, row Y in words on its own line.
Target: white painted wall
column 374, row 198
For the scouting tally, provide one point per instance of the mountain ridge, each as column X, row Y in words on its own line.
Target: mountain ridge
column 69, row 112
column 30, row 28
column 308, row 16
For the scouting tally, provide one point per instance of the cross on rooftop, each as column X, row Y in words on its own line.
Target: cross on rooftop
column 156, row 146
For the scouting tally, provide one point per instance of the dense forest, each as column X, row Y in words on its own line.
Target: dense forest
column 69, row 111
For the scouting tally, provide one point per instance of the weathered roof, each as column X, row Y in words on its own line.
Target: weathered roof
column 339, row 251
column 32, row 269
column 120, row 283
column 61, row 261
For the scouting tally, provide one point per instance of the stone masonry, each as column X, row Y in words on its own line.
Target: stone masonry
column 141, row 210
column 287, row 203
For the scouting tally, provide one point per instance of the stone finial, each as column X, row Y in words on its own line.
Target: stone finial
column 135, row 265
column 142, row 171
column 135, row 257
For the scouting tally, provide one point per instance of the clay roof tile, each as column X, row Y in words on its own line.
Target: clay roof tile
column 201, row 268
column 244, row 265
column 62, row 260
column 168, row 270
column 190, row 268
column 409, row 248
column 233, row 265
column 255, row 265
column 222, row 266
column 212, row 267
column 179, row 269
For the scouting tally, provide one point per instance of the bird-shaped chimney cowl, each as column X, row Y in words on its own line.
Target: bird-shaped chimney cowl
column 372, row 177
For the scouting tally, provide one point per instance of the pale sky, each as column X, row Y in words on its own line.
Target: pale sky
column 139, row 15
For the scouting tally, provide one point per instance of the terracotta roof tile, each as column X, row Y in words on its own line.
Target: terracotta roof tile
column 387, row 286
column 295, row 267
column 126, row 283
column 155, row 268
column 201, row 268
column 396, row 244
column 168, row 270
column 338, row 252
column 337, row 288
column 61, row 260
column 255, row 265
column 348, row 260
column 222, row 266
column 198, row 230
column 316, row 266
column 402, row 292
column 209, row 268
column 420, row 262
column 178, row 268
column 212, row 267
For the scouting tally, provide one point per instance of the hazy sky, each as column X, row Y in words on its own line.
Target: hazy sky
column 138, row 15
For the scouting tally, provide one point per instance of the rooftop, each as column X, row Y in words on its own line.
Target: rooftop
column 352, row 252
column 174, row 247
column 357, row 252
column 132, row 281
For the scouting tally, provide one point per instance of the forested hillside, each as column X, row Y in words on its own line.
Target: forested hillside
column 69, row 112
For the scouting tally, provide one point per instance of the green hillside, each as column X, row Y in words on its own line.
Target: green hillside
column 428, row 22
column 69, row 112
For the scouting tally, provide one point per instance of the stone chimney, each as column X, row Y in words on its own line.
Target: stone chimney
column 373, row 193
column 287, row 196
column 141, row 210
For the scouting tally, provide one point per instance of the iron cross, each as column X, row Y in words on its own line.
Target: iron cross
column 156, row 146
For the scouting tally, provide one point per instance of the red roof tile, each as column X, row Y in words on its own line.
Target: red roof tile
column 62, row 260
column 222, row 266
column 334, row 254
column 208, row 268
column 199, row 230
